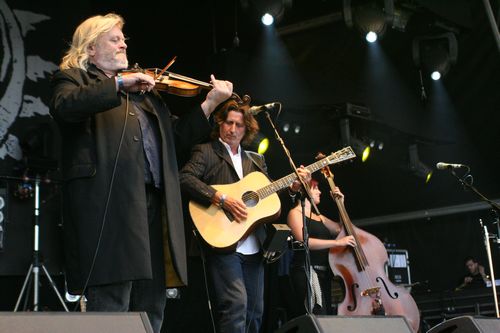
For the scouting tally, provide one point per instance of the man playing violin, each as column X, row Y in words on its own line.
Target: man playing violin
column 123, row 221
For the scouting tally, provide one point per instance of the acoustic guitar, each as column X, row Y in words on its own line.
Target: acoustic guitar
column 218, row 227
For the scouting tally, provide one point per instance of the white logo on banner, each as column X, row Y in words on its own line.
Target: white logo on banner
column 15, row 68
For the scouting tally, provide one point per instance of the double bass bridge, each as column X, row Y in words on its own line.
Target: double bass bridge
column 372, row 292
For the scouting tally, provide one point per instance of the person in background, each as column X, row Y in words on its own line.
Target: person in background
column 476, row 277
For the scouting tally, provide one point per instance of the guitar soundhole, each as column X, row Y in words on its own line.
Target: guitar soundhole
column 251, row 199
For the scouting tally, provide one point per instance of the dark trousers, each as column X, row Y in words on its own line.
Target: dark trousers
column 139, row 295
column 238, row 288
column 300, row 284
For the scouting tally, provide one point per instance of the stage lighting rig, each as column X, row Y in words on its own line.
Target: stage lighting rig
column 272, row 11
column 435, row 54
column 417, row 167
column 369, row 17
column 360, row 147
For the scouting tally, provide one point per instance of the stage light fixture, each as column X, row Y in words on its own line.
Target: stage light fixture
column 435, row 75
column 369, row 17
column 259, row 144
column 401, row 16
column 360, row 147
column 263, row 145
column 272, row 11
column 296, row 129
column 371, row 37
column 267, row 19
column 286, row 127
column 435, row 54
column 417, row 167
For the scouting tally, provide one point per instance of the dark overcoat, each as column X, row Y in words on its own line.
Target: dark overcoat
column 99, row 129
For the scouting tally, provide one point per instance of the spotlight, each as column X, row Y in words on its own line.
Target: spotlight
column 267, row 19
column 371, row 37
column 360, row 147
column 418, row 168
column 380, row 145
column 259, row 144
column 286, row 127
column 263, row 145
column 369, row 17
column 296, row 129
column 272, row 10
column 435, row 53
column 435, row 75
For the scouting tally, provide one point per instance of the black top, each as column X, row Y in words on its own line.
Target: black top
column 477, row 282
column 316, row 229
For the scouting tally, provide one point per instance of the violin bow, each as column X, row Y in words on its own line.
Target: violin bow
column 166, row 67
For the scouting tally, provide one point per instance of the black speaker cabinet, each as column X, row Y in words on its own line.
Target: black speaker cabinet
column 346, row 324
column 468, row 324
column 74, row 322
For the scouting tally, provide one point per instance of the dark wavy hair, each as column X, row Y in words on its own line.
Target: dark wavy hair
column 237, row 104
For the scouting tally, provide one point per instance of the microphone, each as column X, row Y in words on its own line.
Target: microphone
column 444, row 166
column 255, row 110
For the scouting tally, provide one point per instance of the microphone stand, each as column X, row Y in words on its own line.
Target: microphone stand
column 495, row 208
column 306, row 194
column 37, row 265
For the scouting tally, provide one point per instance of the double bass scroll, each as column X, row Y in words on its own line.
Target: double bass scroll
column 368, row 289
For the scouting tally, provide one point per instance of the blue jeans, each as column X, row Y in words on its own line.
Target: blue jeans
column 238, row 289
column 138, row 295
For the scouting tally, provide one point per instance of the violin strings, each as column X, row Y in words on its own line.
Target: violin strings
column 188, row 79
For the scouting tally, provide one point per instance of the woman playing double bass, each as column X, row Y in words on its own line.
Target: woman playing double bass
column 356, row 256
column 322, row 236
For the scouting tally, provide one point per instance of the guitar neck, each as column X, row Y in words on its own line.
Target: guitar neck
column 287, row 180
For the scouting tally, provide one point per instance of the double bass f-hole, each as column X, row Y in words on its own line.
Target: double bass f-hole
column 368, row 290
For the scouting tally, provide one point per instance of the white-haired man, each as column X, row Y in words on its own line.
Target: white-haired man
column 123, row 221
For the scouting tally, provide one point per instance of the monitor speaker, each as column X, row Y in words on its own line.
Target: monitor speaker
column 346, row 324
column 468, row 324
column 74, row 322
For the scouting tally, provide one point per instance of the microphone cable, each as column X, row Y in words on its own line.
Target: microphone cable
column 105, row 213
column 205, row 277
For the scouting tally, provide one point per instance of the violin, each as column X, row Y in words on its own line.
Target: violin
column 368, row 289
column 173, row 83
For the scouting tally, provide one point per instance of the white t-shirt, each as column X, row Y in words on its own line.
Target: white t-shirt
column 249, row 245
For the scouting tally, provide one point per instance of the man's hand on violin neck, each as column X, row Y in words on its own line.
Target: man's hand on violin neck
column 137, row 82
column 221, row 91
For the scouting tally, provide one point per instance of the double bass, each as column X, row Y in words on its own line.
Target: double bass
column 368, row 291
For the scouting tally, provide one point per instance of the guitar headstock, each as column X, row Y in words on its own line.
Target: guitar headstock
column 341, row 155
column 326, row 169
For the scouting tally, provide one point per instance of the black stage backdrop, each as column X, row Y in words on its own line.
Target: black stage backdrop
column 314, row 72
